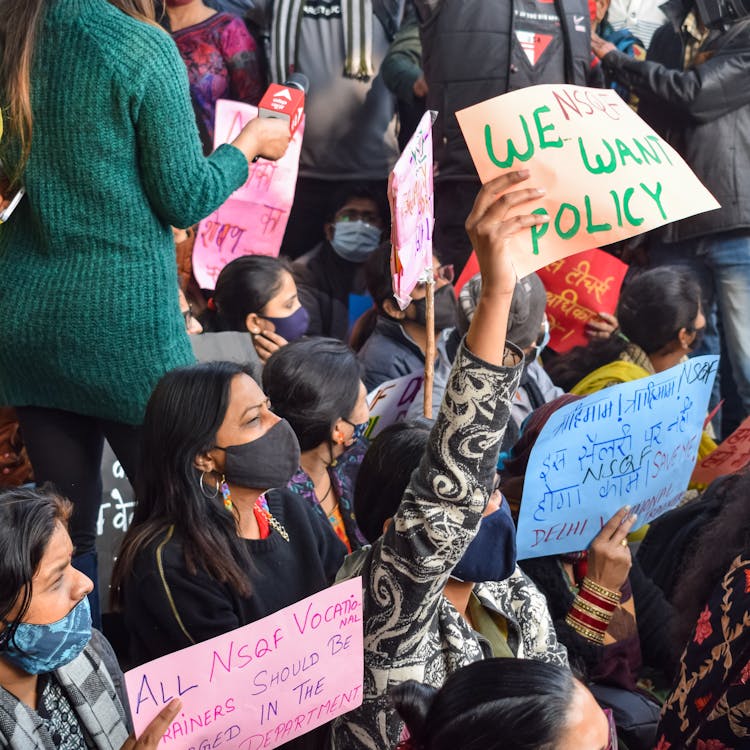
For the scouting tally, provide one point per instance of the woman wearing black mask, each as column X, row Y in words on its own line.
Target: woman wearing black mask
column 316, row 385
column 391, row 341
column 210, row 548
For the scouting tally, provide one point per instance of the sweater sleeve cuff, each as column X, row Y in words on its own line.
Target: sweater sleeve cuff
column 230, row 160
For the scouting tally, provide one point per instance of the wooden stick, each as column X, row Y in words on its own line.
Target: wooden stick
column 429, row 354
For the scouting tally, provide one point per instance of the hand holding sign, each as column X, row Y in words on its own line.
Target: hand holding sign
column 635, row 442
column 608, row 175
column 252, row 221
column 582, row 292
column 609, row 560
column 152, row 735
column 492, row 226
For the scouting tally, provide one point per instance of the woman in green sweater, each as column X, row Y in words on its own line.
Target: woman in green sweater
column 101, row 133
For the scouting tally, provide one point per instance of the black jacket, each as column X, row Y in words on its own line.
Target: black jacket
column 166, row 608
column 703, row 112
column 324, row 282
column 466, row 56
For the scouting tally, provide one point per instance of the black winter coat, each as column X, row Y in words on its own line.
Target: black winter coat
column 703, row 112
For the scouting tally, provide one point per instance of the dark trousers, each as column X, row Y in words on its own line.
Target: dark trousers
column 453, row 203
column 66, row 450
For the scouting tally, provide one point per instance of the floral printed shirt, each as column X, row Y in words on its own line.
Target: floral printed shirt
column 223, row 63
column 709, row 708
column 343, row 476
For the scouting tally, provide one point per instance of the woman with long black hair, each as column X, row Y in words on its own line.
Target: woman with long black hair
column 100, row 131
column 212, row 546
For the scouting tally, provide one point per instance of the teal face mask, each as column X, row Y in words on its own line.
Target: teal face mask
column 38, row 649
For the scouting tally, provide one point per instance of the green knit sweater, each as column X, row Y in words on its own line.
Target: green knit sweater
column 89, row 317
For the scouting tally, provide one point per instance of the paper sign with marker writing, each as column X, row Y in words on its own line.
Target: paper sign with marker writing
column 731, row 456
column 390, row 401
column 607, row 174
column 578, row 288
column 261, row 685
column 632, row 444
column 253, row 219
column 410, row 195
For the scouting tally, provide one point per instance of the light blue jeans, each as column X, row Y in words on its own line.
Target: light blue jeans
column 721, row 264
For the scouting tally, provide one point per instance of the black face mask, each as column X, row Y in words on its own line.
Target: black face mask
column 445, row 309
column 267, row 462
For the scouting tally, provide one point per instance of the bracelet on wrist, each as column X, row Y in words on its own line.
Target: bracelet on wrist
column 594, row 588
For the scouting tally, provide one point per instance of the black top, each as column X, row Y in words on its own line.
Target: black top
column 324, row 282
column 167, row 608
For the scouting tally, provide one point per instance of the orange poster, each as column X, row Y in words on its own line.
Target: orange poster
column 731, row 456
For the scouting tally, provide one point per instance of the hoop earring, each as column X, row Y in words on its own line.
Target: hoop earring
column 210, row 496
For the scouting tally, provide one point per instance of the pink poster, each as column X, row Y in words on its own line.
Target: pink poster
column 261, row 685
column 410, row 194
column 253, row 219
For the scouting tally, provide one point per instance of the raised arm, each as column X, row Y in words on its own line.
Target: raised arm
column 441, row 509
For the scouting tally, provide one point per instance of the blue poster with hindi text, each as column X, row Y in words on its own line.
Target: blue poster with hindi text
column 631, row 444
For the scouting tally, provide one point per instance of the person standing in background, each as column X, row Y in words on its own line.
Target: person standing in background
column 221, row 56
column 88, row 287
column 350, row 125
column 473, row 50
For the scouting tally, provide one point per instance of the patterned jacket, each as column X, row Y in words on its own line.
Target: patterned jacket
column 709, row 708
column 410, row 632
column 93, row 684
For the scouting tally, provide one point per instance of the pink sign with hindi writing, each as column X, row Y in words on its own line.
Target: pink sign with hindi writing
column 578, row 288
column 731, row 456
column 607, row 174
column 261, row 685
column 252, row 221
column 410, row 194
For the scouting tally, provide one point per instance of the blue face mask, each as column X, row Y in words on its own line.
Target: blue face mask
column 539, row 347
column 491, row 556
column 359, row 430
column 38, row 649
column 355, row 240
column 293, row 326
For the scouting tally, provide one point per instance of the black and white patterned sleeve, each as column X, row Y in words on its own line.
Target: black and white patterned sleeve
column 442, row 506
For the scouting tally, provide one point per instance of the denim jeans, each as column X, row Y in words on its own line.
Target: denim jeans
column 721, row 264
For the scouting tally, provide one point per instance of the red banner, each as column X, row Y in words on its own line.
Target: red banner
column 580, row 287
column 731, row 456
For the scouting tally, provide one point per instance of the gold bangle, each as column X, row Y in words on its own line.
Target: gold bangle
column 592, row 610
column 595, row 588
column 588, row 633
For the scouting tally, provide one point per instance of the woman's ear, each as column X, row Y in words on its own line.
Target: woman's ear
column 204, row 462
column 685, row 338
column 254, row 323
column 337, row 435
column 328, row 230
column 393, row 310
